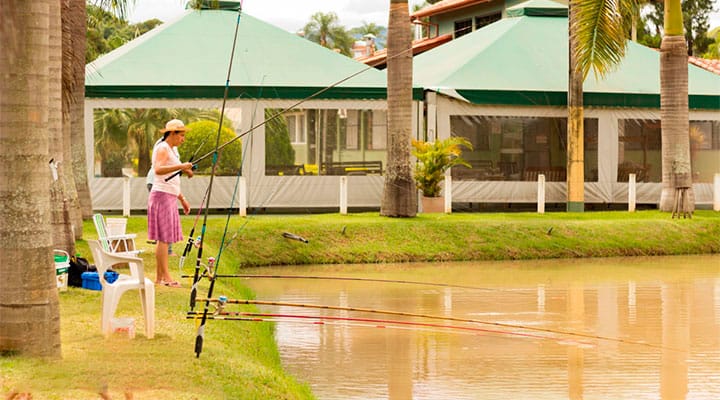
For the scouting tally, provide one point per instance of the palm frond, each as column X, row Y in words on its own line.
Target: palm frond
column 597, row 27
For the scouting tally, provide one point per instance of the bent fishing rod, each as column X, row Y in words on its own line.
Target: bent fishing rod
column 223, row 301
column 201, row 328
column 386, row 323
column 349, row 278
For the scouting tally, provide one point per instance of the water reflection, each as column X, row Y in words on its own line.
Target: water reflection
column 661, row 317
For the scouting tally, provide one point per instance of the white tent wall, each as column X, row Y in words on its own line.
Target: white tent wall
column 605, row 190
column 286, row 192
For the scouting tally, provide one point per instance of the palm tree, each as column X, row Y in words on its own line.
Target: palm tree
column 399, row 193
column 325, row 30
column 29, row 307
column 597, row 40
column 674, row 113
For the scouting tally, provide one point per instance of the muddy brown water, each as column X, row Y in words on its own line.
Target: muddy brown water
column 621, row 328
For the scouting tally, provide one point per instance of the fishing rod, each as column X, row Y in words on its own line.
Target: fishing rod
column 191, row 240
column 347, row 278
column 223, row 301
column 201, row 328
column 251, row 316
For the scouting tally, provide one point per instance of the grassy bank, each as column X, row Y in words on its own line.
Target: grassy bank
column 368, row 238
column 240, row 361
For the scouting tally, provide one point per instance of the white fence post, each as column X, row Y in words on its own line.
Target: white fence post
column 448, row 194
column 716, row 196
column 126, row 196
column 343, row 195
column 541, row 194
column 632, row 192
column 242, row 197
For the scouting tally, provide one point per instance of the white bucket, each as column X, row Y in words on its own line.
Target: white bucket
column 62, row 266
column 116, row 226
column 123, row 325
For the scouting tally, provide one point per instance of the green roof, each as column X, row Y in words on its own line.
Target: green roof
column 189, row 57
column 524, row 61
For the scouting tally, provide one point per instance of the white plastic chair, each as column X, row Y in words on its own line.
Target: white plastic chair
column 111, row 292
column 112, row 243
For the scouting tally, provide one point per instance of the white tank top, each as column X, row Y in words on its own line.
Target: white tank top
column 173, row 185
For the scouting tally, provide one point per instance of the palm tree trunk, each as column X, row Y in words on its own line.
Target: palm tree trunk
column 68, row 78
column 674, row 114
column 399, row 193
column 77, row 109
column 63, row 237
column 29, row 307
column 575, row 156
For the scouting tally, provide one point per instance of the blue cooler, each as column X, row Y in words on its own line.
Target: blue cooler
column 91, row 280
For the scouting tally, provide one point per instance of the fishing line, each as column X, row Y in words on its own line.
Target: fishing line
column 439, row 317
column 280, row 317
column 347, row 278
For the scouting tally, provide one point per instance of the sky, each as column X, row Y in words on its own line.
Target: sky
column 292, row 15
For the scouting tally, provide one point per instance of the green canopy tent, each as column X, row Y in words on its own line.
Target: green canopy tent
column 504, row 87
column 184, row 64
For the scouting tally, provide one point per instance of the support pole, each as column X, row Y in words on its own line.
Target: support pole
column 448, row 194
column 541, row 194
column 716, row 191
column 242, row 197
column 343, row 195
column 632, row 193
column 126, row 196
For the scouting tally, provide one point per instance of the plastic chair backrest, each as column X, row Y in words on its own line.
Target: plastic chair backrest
column 101, row 229
column 105, row 260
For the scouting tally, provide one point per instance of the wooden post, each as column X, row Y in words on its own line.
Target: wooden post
column 343, row 195
column 632, row 192
column 716, row 191
column 448, row 194
column 126, row 196
column 242, row 196
column 541, row 194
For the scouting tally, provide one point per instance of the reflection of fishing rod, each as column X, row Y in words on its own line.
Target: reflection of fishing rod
column 248, row 316
column 347, row 278
column 438, row 317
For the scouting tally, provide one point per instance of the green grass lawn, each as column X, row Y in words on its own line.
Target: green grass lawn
column 240, row 361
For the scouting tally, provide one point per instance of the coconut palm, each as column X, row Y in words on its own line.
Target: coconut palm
column 399, row 194
column 29, row 307
column 601, row 45
column 597, row 40
column 674, row 113
column 326, row 30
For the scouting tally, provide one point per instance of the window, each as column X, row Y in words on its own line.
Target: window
column 296, row 128
column 463, row 27
column 486, row 20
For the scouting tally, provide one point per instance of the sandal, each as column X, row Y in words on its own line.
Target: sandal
column 172, row 284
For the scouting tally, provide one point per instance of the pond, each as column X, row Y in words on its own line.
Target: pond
column 621, row 328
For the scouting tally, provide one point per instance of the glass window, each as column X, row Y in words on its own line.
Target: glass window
column 463, row 27
column 640, row 150
column 520, row 148
column 328, row 142
column 705, row 150
column 483, row 20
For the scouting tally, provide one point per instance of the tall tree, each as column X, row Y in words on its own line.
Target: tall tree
column 399, row 192
column 674, row 113
column 29, row 307
column 598, row 35
column 326, row 30
column 695, row 20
